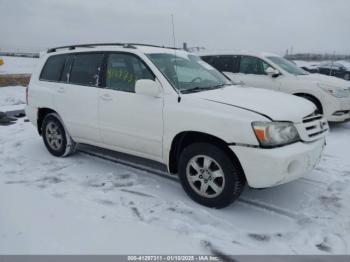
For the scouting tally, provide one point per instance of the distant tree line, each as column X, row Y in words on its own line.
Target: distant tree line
column 316, row 57
column 32, row 55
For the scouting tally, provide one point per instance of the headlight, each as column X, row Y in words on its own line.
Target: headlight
column 337, row 92
column 273, row 134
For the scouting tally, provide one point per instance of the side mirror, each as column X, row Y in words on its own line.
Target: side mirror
column 148, row 87
column 272, row 72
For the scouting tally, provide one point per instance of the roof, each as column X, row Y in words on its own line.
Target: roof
column 257, row 54
column 145, row 48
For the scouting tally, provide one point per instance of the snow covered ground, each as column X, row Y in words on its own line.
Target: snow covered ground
column 87, row 205
column 12, row 98
column 18, row 65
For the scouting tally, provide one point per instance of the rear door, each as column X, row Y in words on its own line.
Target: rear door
column 76, row 95
column 129, row 122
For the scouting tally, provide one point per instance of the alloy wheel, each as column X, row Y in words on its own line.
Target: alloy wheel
column 205, row 176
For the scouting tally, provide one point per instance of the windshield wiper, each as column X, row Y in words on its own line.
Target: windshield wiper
column 193, row 90
column 199, row 89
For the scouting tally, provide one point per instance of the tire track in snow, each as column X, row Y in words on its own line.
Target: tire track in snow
column 242, row 200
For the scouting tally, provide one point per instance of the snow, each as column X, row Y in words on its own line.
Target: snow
column 18, row 65
column 87, row 205
column 12, row 98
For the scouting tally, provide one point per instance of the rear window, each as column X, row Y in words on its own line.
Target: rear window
column 53, row 68
column 86, row 69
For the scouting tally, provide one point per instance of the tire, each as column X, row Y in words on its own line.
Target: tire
column 56, row 138
column 222, row 174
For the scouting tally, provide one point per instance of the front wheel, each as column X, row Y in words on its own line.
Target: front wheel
column 209, row 176
column 56, row 138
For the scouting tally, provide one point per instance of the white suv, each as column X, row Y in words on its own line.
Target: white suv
column 331, row 95
column 170, row 106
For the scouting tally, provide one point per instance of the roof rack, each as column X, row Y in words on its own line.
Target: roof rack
column 125, row 45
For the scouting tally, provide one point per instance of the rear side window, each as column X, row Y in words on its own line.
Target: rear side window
column 66, row 69
column 86, row 69
column 224, row 63
column 53, row 68
column 208, row 59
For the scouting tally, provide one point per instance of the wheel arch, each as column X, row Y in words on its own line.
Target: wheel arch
column 312, row 97
column 186, row 138
column 42, row 112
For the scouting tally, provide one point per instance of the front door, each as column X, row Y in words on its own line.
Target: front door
column 130, row 122
column 252, row 73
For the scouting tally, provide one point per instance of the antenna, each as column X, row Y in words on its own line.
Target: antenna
column 174, row 43
column 173, row 27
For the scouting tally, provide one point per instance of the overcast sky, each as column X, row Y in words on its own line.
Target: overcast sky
column 266, row 25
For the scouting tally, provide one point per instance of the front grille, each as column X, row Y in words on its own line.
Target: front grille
column 314, row 126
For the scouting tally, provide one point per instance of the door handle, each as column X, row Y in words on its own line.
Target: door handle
column 106, row 97
column 60, row 90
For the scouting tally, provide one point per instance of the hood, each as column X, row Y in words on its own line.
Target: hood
column 275, row 105
column 327, row 80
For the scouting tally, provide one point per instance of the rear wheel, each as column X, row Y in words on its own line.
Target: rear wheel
column 209, row 176
column 57, row 140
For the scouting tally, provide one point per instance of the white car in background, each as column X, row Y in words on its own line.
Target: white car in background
column 171, row 107
column 331, row 95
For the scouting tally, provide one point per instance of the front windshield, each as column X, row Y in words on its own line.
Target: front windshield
column 287, row 65
column 188, row 72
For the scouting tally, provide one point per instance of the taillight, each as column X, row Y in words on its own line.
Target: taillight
column 27, row 94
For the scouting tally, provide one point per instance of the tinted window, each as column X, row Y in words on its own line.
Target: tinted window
column 252, row 65
column 86, row 69
column 66, row 69
column 208, row 59
column 123, row 70
column 224, row 63
column 53, row 68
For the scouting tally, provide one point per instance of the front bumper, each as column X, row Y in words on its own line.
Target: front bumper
column 340, row 116
column 338, row 109
column 271, row 167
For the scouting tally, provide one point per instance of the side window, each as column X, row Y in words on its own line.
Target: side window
column 53, row 68
column 123, row 70
column 224, row 63
column 208, row 59
column 252, row 65
column 86, row 68
column 66, row 69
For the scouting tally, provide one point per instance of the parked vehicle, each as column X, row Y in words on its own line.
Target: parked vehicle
column 169, row 106
column 339, row 69
column 330, row 95
column 311, row 68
